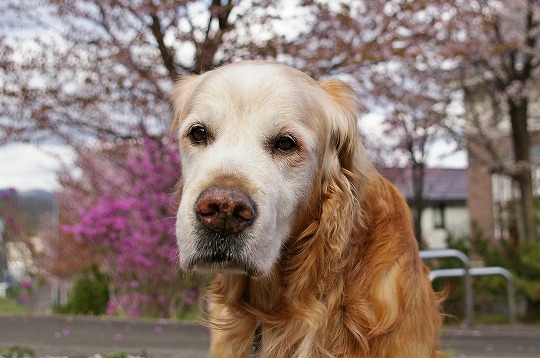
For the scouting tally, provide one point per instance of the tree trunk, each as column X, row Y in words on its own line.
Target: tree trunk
column 206, row 50
column 3, row 258
column 523, row 176
column 417, row 219
column 418, row 201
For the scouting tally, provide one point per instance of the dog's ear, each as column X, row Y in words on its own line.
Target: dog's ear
column 344, row 112
column 183, row 93
column 347, row 168
column 324, row 247
column 347, row 161
column 182, row 98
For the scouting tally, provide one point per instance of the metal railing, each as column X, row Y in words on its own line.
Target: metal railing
column 451, row 253
column 466, row 272
column 484, row 271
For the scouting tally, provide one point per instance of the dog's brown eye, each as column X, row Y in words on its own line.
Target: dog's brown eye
column 198, row 134
column 285, row 143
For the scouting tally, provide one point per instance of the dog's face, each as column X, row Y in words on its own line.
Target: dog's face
column 253, row 137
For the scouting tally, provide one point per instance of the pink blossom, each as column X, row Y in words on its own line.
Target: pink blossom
column 118, row 337
column 190, row 296
column 111, row 308
column 26, row 284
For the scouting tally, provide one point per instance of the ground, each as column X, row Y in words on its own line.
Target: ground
column 82, row 337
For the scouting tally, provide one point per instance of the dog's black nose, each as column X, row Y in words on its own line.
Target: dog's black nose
column 225, row 210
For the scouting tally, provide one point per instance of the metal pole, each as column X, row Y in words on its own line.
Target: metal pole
column 452, row 253
column 511, row 300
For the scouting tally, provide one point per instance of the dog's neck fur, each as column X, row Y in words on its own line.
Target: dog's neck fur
column 308, row 263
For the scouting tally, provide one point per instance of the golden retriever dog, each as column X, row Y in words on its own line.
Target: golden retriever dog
column 314, row 251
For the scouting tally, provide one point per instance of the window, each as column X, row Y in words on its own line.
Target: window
column 438, row 216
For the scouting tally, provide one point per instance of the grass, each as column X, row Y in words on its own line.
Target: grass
column 11, row 307
column 490, row 318
column 451, row 353
column 189, row 314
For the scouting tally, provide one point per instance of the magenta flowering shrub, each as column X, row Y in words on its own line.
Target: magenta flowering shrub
column 130, row 227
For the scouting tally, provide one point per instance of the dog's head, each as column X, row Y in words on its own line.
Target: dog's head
column 262, row 146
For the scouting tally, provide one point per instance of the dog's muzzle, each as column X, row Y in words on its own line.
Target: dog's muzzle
column 223, row 214
column 225, row 211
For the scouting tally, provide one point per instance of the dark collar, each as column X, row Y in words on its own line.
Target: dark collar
column 256, row 347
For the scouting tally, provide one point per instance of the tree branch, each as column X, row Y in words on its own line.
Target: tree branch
column 168, row 59
column 125, row 51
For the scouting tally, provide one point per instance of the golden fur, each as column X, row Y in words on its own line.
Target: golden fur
column 348, row 281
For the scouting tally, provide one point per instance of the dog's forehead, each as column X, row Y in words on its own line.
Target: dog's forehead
column 254, row 77
column 244, row 89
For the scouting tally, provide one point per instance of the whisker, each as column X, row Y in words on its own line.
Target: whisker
column 163, row 219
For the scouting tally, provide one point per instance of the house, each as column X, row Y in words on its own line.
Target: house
column 493, row 194
column 445, row 198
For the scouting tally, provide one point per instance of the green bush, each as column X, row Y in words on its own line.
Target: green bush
column 17, row 352
column 90, row 294
column 115, row 355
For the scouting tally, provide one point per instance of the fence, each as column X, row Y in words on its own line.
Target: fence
column 466, row 272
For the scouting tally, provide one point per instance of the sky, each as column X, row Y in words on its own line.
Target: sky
column 27, row 167
column 441, row 154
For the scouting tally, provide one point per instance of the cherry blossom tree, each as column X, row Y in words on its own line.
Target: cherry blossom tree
column 104, row 69
column 417, row 110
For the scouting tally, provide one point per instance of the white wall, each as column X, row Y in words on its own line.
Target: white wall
column 456, row 220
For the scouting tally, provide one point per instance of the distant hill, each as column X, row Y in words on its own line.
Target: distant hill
column 34, row 204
